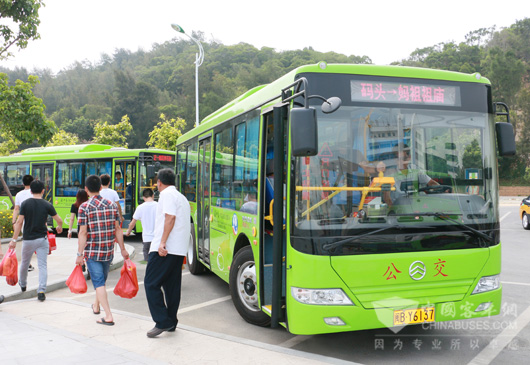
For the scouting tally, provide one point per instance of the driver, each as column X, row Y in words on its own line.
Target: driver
column 406, row 173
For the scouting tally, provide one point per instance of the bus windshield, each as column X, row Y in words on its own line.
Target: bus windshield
column 404, row 177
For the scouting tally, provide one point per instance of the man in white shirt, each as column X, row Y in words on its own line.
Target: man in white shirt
column 145, row 213
column 168, row 249
column 21, row 196
column 110, row 194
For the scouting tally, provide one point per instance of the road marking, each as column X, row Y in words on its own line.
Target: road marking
column 205, row 304
column 292, row 342
column 504, row 216
column 489, row 353
column 515, row 283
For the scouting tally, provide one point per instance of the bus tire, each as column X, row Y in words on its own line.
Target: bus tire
column 243, row 288
column 194, row 266
column 526, row 221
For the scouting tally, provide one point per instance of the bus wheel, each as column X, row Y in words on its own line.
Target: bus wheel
column 526, row 221
column 194, row 266
column 244, row 290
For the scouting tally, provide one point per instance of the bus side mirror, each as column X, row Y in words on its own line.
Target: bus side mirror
column 505, row 139
column 150, row 170
column 304, row 132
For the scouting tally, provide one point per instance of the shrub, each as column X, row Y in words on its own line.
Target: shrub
column 6, row 223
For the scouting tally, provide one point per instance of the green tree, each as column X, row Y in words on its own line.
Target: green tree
column 22, row 117
column 25, row 15
column 166, row 133
column 113, row 134
column 62, row 138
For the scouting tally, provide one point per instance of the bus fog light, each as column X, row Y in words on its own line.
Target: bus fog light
column 321, row 296
column 334, row 321
column 487, row 283
column 483, row 307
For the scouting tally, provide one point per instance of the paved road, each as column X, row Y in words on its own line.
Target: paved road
column 503, row 339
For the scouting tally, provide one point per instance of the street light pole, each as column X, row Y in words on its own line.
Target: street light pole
column 199, row 58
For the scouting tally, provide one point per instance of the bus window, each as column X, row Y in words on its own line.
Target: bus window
column 190, row 184
column 69, row 178
column 222, row 170
column 98, row 167
column 13, row 176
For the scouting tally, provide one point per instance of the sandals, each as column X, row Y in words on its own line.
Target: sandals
column 93, row 311
column 105, row 323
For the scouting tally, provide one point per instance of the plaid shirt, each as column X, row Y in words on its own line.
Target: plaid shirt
column 100, row 216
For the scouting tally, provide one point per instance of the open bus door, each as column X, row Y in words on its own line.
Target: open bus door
column 123, row 180
column 203, row 199
column 44, row 172
column 273, row 247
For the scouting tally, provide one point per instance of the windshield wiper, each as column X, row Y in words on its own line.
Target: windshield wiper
column 445, row 217
column 329, row 246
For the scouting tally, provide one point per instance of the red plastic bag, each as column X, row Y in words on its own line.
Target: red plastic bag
column 13, row 279
column 51, row 240
column 9, row 264
column 127, row 286
column 76, row 282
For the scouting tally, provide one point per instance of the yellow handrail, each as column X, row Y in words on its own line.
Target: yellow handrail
column 376, row 186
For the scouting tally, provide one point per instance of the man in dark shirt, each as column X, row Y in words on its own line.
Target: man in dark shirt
column 33, row 215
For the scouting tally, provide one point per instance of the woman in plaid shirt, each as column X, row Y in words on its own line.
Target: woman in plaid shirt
column 99, row 227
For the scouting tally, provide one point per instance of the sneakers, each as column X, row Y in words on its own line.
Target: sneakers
column 31, row 268
column 23, row 288
column 1, row 298
column 41, row 297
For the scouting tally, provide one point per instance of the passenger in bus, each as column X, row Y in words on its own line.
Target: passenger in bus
column 118, row 184
column 110, row 194
column 251, row 203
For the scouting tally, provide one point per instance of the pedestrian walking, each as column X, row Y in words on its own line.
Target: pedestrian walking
column 33, row 215
column 99, row 227
column 80, row 198
column 21, row 196
column 166, row 256
column 110, row 194
column 145, row 213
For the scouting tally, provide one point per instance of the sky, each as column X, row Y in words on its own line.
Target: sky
column 384, row 30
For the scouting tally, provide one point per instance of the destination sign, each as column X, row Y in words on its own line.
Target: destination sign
column 163, row 158
column 405, row 93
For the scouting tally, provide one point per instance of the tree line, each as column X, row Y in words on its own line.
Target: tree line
column 154, row 91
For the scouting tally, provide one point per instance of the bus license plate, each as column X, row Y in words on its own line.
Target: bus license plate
column 412, row 316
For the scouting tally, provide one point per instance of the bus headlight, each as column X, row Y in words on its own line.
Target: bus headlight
column 321, row 296
column 487, row 283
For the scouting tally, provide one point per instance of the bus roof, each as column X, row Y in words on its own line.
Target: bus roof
column 80, row 151
column 258, row 95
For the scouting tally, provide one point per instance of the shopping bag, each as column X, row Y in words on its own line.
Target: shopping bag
column 76, row 281
column 127, row 286
column 9, row 264
column 51, row 241
column 13, row 279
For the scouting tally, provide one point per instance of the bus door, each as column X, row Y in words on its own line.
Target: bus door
column 271, row 170
column 44, row 173
column 124, row 182
column 203, row 199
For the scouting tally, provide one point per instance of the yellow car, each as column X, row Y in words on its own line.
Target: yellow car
column 524, row 212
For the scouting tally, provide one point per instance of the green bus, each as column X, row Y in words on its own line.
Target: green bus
column 63, row 170
column 389, row 188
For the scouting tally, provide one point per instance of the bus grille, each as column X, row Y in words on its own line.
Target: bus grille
column 412, row 294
